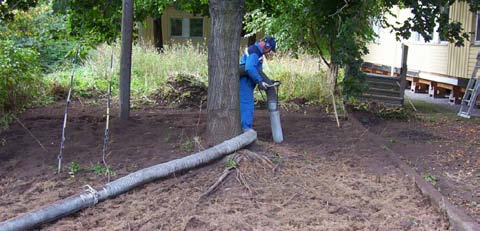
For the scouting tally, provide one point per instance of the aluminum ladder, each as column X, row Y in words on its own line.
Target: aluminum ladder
column 471, row 92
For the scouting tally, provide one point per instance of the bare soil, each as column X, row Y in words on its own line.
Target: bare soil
column 320, row 178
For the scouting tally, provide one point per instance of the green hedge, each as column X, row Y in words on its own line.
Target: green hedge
column 20, row 77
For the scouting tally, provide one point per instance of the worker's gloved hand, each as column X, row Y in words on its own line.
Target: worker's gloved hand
column 263, row 85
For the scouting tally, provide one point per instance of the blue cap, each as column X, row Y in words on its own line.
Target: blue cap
column 270, row 43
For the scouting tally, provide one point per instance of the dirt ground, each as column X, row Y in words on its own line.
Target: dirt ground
column 320, row 178
column 443, row 148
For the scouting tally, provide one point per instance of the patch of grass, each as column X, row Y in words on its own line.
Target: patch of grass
column 430, row 109
column 301, row 77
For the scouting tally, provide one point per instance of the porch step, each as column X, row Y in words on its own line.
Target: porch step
column 384, row 85
column 384, row 92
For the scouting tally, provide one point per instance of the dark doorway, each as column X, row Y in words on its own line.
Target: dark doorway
column 157, row 33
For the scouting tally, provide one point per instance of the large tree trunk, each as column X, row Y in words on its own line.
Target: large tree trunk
column 126, row 58
column 223, row 99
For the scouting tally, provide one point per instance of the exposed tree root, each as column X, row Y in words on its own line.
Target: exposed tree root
column 229, row 169
column 240, row 175
column 243, row 181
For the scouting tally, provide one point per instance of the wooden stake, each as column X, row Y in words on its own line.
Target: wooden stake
column 335, row 109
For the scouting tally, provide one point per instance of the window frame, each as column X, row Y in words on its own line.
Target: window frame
column 477, row 25
column 186, row 27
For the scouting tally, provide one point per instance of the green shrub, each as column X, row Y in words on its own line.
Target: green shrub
column 20, row 82
column 42, row 30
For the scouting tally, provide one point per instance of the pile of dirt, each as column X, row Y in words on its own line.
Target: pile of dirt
column 320, row 178
column 182, row 90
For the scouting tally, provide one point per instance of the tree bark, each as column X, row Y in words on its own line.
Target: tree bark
column 332, row 76
column 223, row 105
column 126, row 58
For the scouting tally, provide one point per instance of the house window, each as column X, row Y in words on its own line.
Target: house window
column 196, row 27
column 416, row 37
column 477, row 30
column 176, row 27
column 376, row 26
column 186, row 27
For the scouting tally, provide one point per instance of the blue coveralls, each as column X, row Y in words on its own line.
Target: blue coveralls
column 253, row 60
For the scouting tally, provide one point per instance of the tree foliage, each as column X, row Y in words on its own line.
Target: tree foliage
column 100, row 21
column 41, row 30
column 92, row 21
column 338, row 31
column 7, row 8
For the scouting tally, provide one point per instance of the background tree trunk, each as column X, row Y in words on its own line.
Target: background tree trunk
column 332, row 76
column 157, row 33
column 126, row 58
column 223, row 106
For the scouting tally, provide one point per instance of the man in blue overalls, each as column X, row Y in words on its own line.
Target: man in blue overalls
column 253, row 60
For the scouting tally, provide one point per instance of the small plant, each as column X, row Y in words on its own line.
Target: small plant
column 100, row 169
column 430, row 178
column 74, row 169
column 188, row 145
column 231, row 163
column 97, row 168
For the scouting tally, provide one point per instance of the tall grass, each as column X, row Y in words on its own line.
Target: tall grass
column 150, row 69
column 301, row 78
